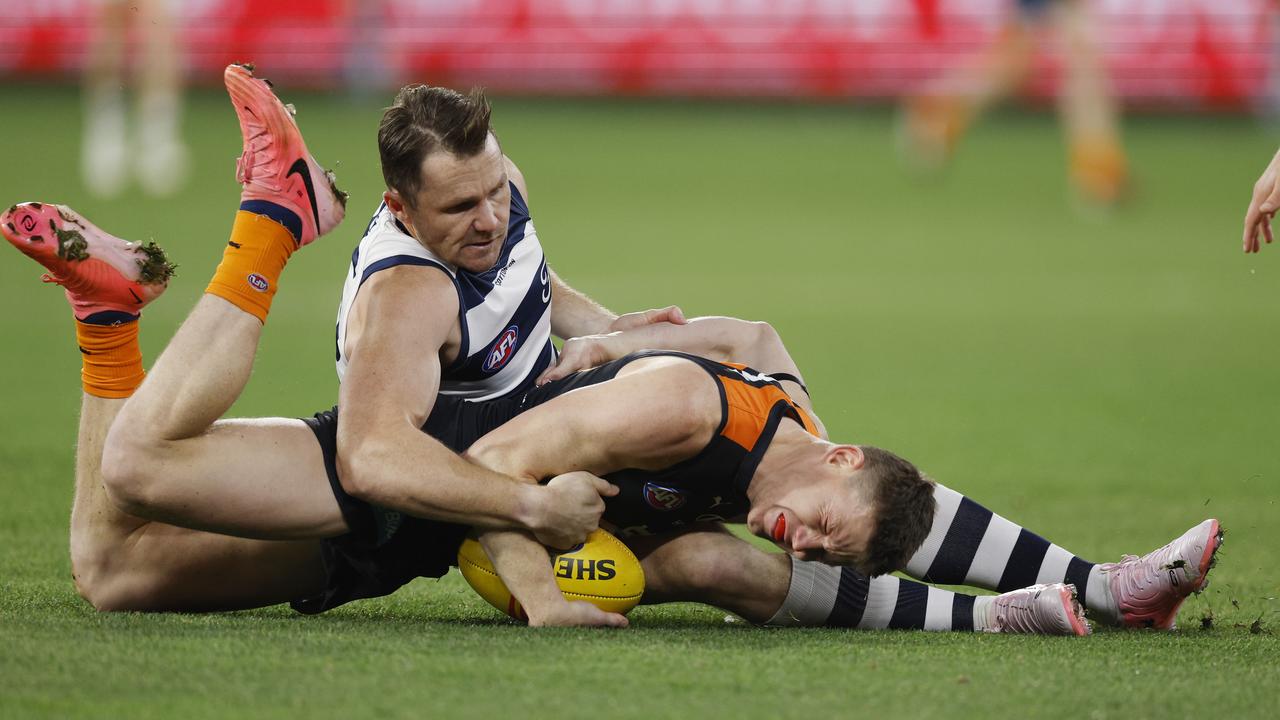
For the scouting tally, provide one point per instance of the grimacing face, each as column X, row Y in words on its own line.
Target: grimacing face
column 462, row 208
column 822, row 514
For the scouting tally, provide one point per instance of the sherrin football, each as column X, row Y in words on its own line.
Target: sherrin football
column 601, row 571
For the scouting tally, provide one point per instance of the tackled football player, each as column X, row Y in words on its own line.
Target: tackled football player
column 171, row 455
column 143, row 565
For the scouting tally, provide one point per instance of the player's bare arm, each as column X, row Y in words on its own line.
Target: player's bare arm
column 724, row 339
column 390, row 387
column 657, row 412
column 522, row 563
column 573, row 314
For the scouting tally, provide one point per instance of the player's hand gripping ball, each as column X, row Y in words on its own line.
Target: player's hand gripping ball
column 601, row 571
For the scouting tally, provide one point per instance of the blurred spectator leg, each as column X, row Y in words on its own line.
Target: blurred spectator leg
column 933, row 121
column 367, row 69
column 1090, row 117
column 162, row 155
column 103, row 149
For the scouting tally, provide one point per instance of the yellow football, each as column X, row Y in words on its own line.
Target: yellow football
column 601, row 571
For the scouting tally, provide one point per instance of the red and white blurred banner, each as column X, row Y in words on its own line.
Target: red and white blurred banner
column 1195, row 53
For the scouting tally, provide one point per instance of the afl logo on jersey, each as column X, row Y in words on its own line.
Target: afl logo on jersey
column 502, row 350
column 663, row 498
column 257, row 282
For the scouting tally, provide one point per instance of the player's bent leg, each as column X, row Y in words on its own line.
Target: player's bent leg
column 287, row 202
column 710, row 565
column 199, row 375
column 167, row 448
column 255, row 478
column 123, row 562
column 970, row 545
column 163, row 568
column 823, row 595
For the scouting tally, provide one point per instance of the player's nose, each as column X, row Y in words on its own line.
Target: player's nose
column 805, row 540
column 487, row 219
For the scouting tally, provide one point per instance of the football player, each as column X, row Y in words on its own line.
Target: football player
column 453, row 210
column 826, row 506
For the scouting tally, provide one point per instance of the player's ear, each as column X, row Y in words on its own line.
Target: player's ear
column 850, row 457
column 395, row 204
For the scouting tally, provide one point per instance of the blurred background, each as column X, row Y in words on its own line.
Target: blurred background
column 1186, row 54
column 945, row 62
column 1001, row 238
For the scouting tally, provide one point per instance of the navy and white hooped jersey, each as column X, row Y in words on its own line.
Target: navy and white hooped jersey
column 504, row 313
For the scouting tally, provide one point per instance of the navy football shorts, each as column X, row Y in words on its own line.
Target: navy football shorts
column 384, row 549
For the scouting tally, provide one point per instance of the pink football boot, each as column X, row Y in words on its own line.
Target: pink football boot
column 101, row 272
column 1148, row 590
column 275, row 166
column 1039, row 610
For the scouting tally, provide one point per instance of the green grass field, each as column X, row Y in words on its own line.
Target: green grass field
column 1106, row 381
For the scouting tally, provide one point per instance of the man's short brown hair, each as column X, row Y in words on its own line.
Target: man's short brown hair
column 425, row 119
column 904, row 507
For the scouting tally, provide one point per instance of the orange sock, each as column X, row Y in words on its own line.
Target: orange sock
column 251, row 265
column 111, row 359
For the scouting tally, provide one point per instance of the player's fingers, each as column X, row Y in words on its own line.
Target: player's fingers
column 1266, row 211
column 551, row 373
column 670, row 314
column 559, row 541
column 605, row 488
column 1251, row 218
column 586, row 614
column 564, row 541
column 567, row 365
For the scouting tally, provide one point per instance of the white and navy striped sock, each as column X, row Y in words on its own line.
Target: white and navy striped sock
column 970, row 545
column 822, row 595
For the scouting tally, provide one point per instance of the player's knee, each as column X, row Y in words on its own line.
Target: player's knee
column 128, row 474
column 119, row 596
column 102, row 581
column 97, row 590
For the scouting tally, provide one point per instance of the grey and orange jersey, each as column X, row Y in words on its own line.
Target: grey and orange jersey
column 504, row 313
